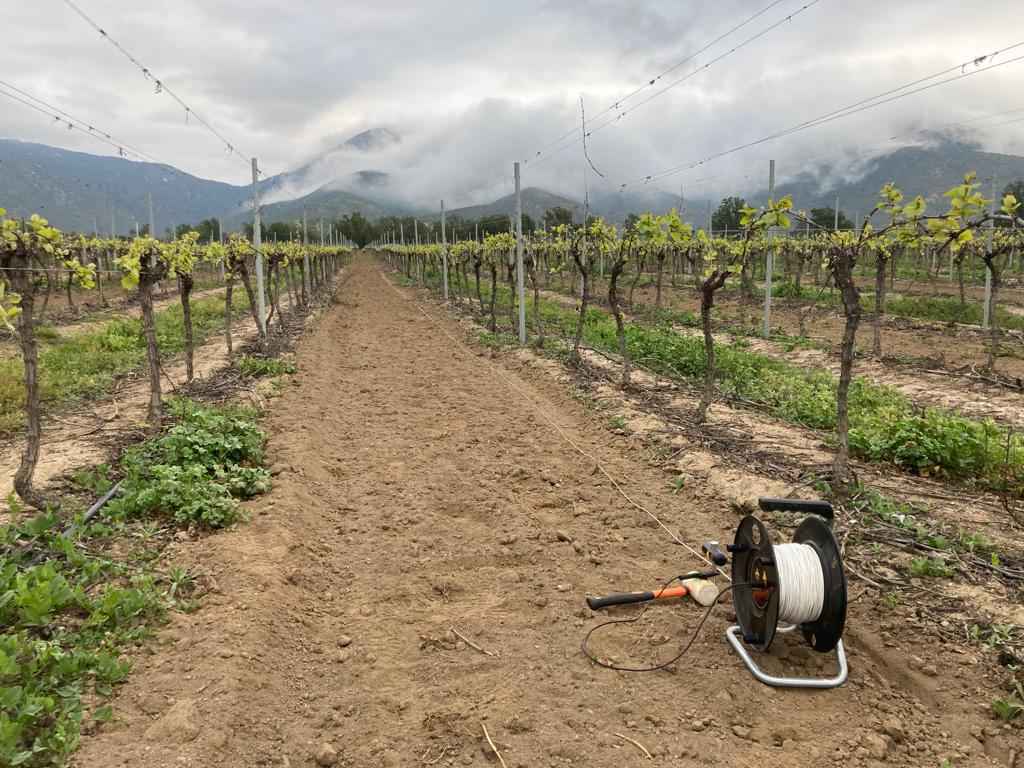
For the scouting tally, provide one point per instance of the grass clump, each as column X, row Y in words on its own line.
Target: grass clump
column 930, row 567
column 196, row 471
column 256, row 367
column 1008, row 708
column 947, row 309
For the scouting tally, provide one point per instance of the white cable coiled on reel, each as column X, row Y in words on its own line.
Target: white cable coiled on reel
column 801, row 583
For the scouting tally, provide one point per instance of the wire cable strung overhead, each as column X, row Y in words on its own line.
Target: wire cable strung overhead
column 886, row 97
column 972, row 121
column 159, row 85
column 650, row 83
column 864, row 152
column 72, row 122
column 559, row 145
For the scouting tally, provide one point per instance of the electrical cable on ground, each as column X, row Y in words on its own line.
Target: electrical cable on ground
column 585, row 645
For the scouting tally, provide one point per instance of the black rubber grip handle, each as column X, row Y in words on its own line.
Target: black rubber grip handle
column 622, row 598
column 822, row 508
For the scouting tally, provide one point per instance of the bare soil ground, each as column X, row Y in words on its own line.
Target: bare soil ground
column 421, row 491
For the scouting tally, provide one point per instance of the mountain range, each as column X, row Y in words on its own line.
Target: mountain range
column 78, row 191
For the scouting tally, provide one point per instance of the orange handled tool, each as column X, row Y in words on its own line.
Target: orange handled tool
column 694, row 578
column 625, row 598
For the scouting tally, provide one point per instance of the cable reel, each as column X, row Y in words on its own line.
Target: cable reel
column 800, row 585
column 776, row 588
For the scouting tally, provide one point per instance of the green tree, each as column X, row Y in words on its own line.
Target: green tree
column 359, row 229
column 208, row 229
column 826, row 218
column 629, row 225
column 557, row 215
column 493, row 225
column 281, row 232
column 728, row 215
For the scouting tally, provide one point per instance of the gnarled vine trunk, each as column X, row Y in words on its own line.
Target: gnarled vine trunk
column 185, row 284
column 578, row 258
column 535, row 282
column 842, row 269
column 620, row 326
column 148, row 277
column 494, row 294
column 24, row 282
column 993, row 317
column 661, row 268
column 476, row 273
column 876, row 341
column 228, row 296
column 707, row 301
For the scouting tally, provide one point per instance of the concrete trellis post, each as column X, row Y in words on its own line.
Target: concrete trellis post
column 520, row 284
column 769, row 266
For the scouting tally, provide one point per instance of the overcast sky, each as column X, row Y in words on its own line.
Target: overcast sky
column 472, row 86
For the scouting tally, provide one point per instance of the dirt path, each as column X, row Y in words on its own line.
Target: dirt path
column 417, row 493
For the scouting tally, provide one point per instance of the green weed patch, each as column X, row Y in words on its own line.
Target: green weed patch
column 69, row 610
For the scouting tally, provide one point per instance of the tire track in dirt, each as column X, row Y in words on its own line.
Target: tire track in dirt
column 415, row 494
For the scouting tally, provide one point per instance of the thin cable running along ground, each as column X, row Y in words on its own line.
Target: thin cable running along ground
column 585, row 645
column 554, row 425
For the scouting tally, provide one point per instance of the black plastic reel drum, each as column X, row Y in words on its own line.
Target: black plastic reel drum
column 757, row 605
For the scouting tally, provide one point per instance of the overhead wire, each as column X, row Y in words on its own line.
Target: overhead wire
column 554, row 149
column 160, row 85
column 866, row 152
column 972, row 121
column 72, row 122
column 862, row 105
column 650, row 83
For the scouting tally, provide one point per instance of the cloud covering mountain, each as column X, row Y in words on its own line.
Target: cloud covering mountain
column 470, row 87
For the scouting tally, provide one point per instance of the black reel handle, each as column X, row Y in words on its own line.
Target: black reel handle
column 621, row 598
column 820, row 508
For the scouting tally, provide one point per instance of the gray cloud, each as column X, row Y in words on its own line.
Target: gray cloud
column 473, row 86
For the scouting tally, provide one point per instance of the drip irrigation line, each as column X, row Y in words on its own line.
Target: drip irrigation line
column 561, row 432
